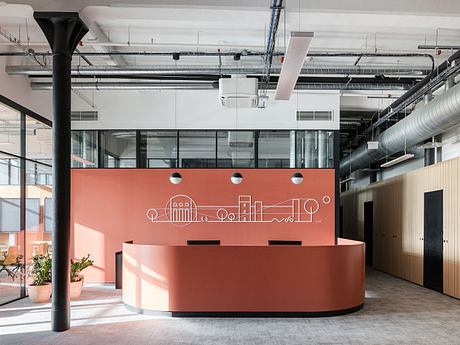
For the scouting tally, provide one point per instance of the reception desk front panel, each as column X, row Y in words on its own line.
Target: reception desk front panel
column 244, row 279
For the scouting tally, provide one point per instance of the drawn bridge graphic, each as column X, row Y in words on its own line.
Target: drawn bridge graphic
column 183, row 210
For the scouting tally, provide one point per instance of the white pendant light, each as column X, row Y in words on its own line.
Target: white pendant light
column 236, row 178
column 175, row 178
column 297, row 178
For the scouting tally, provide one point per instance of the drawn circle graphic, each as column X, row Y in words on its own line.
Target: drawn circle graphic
column 152, row 214
column 222, row 214
column 326, row 200
column 311, row 206
column 231, row 217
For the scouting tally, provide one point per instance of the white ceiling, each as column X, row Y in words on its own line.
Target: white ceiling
column 205, row 25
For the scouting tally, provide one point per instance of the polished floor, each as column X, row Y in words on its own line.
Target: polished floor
column 396, row 312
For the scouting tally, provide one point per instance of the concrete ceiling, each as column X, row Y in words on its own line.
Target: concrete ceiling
column 176, row 25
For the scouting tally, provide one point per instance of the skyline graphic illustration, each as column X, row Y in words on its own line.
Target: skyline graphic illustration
column 182, row 210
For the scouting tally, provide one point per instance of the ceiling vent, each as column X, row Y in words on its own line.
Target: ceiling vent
column 314, row 115
column 239, row 92
column 84, row 116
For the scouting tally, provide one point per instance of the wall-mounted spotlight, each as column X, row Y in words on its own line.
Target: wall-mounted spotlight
column 297, row 178
column 237, row 57
column 237, row 178
column 175, row 178
column 176, row 56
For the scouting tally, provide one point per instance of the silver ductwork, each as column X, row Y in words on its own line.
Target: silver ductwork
column 99, row 86
column 213, row 70
column 424, row 122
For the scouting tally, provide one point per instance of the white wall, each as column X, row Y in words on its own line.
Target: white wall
column 451, row 143
column 17, row 88
column 189, row 109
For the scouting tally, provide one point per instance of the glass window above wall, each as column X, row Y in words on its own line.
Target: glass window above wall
column 9, row 169
column 197, row 149
column 38, row 141
column 235, row 149
column 315, row 149
column 10, row 130
column 84, row 149
column 158, row 149
column 118, row 149
column 275, row 149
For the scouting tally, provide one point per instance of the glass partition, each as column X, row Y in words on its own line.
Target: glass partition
column 158, row 149
column 25, row 181
column 118, row 149
column 275, row 149
column 315, row 149
column 197, row 149
column 84, row 149
column 200, row 149
column 38, row 191
column 235, row 149
column 11, row 232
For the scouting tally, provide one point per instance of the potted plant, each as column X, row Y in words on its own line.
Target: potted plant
column 76, row 280
column 40, row 289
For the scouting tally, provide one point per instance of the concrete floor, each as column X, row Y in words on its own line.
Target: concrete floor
column 396, row 312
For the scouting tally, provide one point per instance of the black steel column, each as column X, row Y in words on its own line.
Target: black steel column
column 63, row 30
column 337, row 183
column 23, row 200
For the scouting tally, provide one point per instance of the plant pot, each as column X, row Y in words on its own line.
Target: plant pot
column 39, row 293
column 75, row 288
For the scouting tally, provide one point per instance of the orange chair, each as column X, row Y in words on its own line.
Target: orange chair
column 11, row 259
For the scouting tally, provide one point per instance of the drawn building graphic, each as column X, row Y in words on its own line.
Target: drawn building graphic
column 182, row 210
column 244, row 208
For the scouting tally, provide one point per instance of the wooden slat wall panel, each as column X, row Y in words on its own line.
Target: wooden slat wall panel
column 399, row 218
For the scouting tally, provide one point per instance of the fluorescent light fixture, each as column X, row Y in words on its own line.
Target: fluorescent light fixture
column 397, row 160
column 297, row 49
column 351, row 178
column 430, row 145
column 81, row 160
column 372, row 145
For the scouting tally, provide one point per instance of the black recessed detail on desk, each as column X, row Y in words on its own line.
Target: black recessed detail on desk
column 286, row 314
column 284, row 243
column 203, row 242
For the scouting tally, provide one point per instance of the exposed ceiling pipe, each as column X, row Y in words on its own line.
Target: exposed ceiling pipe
column 243, row 52
column 388, row 112
column 213, row 70
column 424, row 122
column 277, row 7
column 97, row 85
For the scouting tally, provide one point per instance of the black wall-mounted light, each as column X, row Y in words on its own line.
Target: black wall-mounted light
column 175, row 178
column 236, row 178
column 297, row 178
column 237, row 57
column 176, row 56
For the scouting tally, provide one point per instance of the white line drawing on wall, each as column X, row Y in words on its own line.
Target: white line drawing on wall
column 182, row 210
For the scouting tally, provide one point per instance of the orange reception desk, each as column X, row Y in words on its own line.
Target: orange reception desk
column 241, row 275
column 273, row 280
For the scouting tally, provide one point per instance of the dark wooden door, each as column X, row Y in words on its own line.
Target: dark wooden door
column 369, row 231
column 433, row 239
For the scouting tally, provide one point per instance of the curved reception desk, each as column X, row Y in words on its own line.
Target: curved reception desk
column 244, row 280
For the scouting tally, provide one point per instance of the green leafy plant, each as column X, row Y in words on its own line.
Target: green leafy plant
column 76, row 266
column 41, row 269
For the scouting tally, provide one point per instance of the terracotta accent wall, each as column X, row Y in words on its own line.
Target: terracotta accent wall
column 111, row 206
